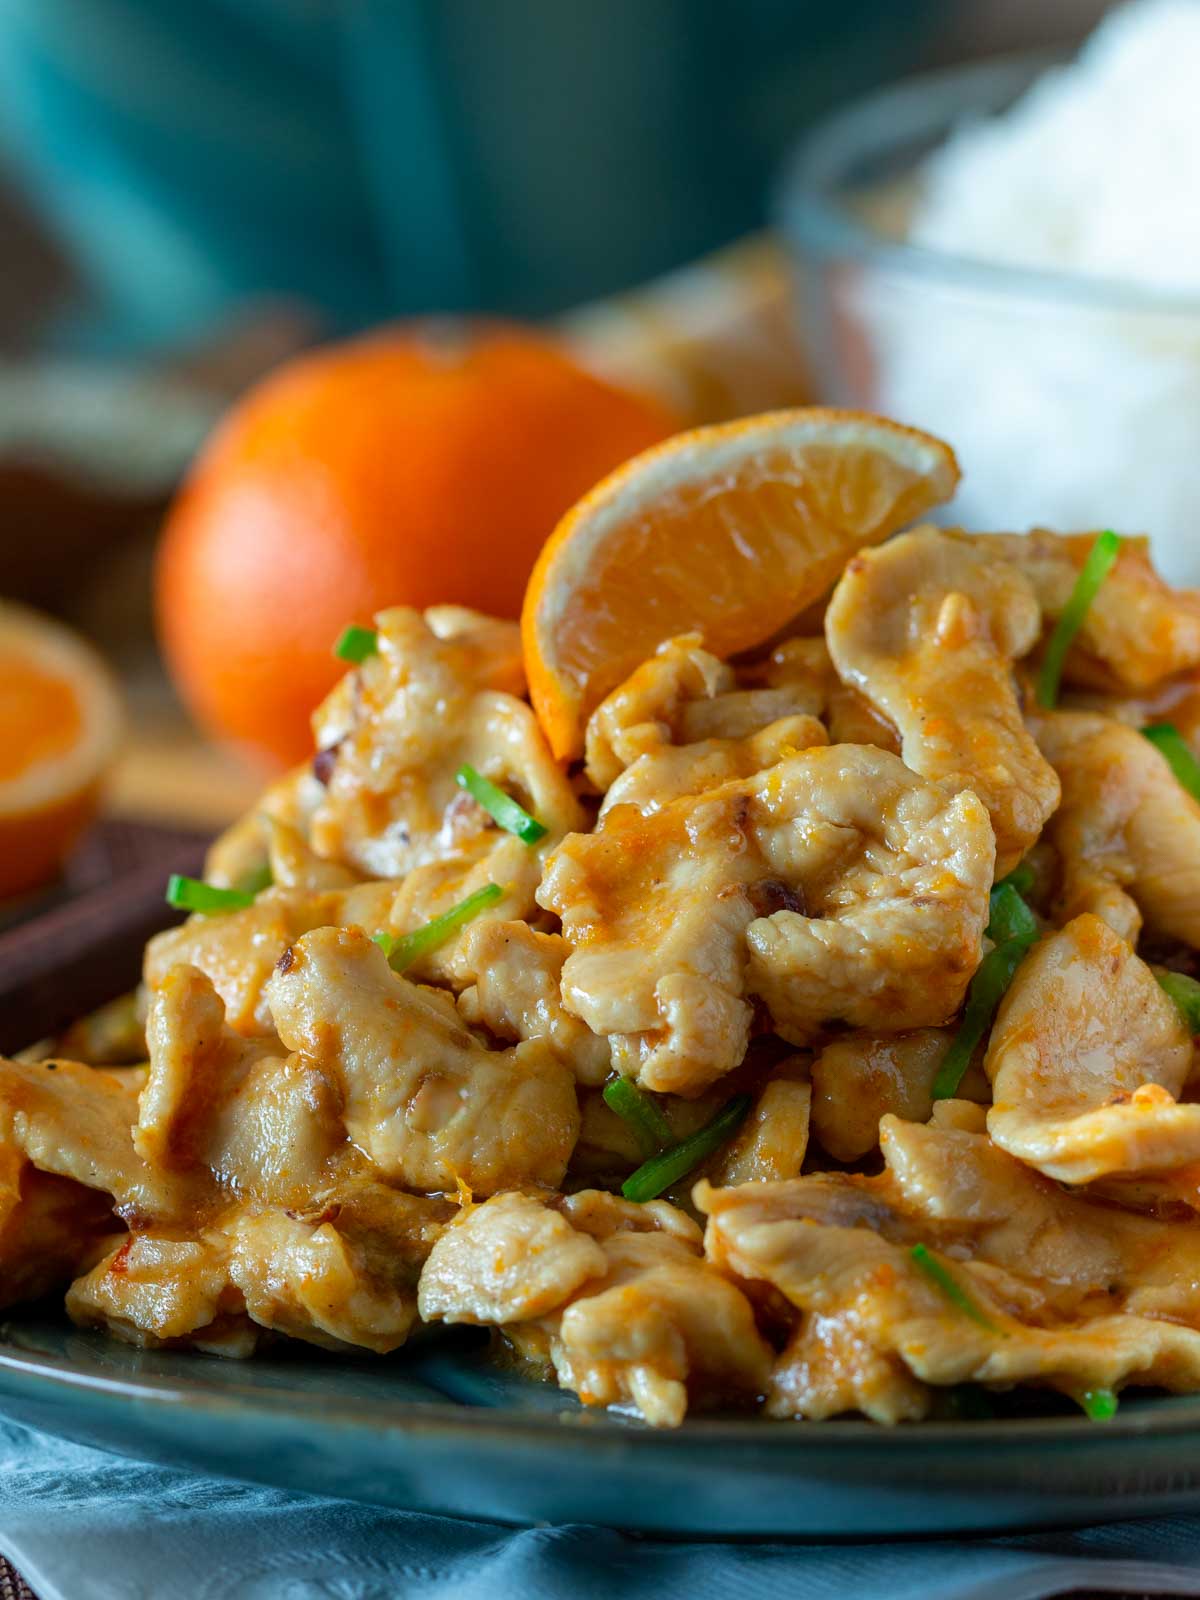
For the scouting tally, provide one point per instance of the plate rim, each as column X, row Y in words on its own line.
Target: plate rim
column 773, row 1435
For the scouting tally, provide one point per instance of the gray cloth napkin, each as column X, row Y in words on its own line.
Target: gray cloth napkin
column 82, row 1525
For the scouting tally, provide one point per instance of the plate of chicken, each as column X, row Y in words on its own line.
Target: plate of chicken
column 715, row 1056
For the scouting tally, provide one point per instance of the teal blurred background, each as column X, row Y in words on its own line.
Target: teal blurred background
column 180, row 161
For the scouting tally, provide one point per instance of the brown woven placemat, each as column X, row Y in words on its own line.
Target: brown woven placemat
column 12, row 1584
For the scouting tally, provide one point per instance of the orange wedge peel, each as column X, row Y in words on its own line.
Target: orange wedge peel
column 60, row 720
column 731, row 530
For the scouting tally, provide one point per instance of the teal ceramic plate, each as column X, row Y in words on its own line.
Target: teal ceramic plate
column 448, row 1432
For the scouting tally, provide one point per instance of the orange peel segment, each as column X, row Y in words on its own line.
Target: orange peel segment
column 730, row 530
column 60, row 720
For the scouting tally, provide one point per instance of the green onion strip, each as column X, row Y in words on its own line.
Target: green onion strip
column 949, row 1285
column 1100, row 1405
column 1014, row 928
column 501, row 807
column 650, row 1127
column 1170, row 743
column 193, row 894
column 356, row 644
column 666, row 1168
column 1095, row 569
column 403, row 949
column 1185, row 992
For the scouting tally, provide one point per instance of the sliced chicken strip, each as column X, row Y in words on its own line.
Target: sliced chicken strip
column 644, row 713
column 294, row 864
column 667, row 774
column 51, row 1229
column 772, row 1141
column 426, row 1102
column 76, row 1122
column 856, row 890
column 238, row 950
column 241, row 851
column 1127, row 832
column 1087, row 1059
column 509, row 1260
column 1065, row 1292
column 401, row 726
column 166, row 1289
column 829, row 1367
column 679, row 725
column 927, row 629
column 517, row 995
column 859, row 1077
column 617, row 1297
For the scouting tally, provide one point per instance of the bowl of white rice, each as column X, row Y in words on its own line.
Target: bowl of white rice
column 1009, row 254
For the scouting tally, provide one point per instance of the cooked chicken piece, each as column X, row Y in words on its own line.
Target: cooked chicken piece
column 400, row 727
column 427, row 1103
column 50, row 1228
column 1087, row 1059
column 829, row 1367
column 852, row 719
column 963, row 1115
column 1136, row 632
column 1069, row 1256
column 857, row 891
column 679, row 725
column 1127, row 832
column 1065, row 1293
column 859, row 1077
column 771, row 1142
column 493, row 645
column 509, row 1260
column 799, row 664
column 196, row 1064
column 241, row 850
column 645, row 712
column 928, row 629
column 677, row 770
column 617, row 1297
column 238, row 950
column 517, row 995
column 660, row 1329
column 219, row 1110
column 294, row 864
column 338, row 1280
column 76, row 1122
column 438, row 886
column 165, row 1289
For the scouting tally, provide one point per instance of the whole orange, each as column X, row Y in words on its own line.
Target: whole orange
column 420, row 464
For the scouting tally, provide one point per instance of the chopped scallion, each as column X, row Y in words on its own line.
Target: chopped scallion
column 1170, row 743
column 651, row 1128
column 1095, row 569
column 950, row 1286
column 666, row 1168
column 992, row 978
column 193, row 894
column 1021, row 878
column 501, row 807
column 403, row 949
column 1185, row 992
column 356, row 644
column 1010, row 917
column 258, row 880
column 1100, row 1405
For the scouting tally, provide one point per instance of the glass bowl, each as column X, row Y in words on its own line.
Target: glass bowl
column 1073, row 402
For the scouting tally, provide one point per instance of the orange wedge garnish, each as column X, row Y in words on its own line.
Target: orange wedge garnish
column 59, row 723
column 731, row 530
